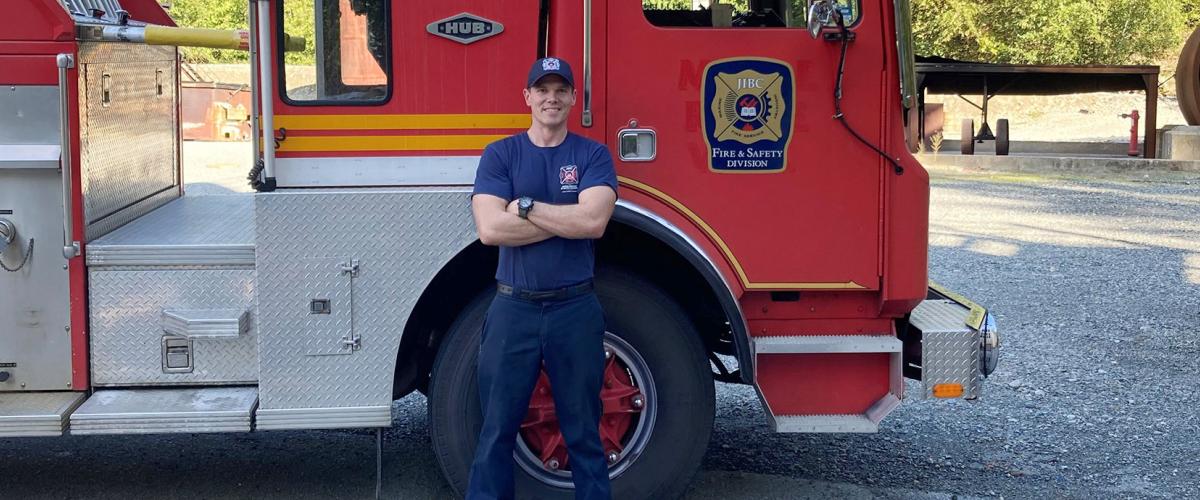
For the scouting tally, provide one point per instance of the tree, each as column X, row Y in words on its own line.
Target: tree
column 234, row 14
column 219, row 14
column 1052, row 31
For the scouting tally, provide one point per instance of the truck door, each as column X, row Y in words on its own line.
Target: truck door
column 739, row 100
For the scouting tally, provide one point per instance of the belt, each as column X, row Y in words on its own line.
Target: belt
column 557, row 294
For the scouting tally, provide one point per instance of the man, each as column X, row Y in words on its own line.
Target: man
column 542, row 196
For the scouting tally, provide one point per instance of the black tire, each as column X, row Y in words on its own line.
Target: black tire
column 652, row 324
column 1002, row 137
column 967, row 137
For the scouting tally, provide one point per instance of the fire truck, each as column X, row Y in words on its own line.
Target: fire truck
column 771, row 228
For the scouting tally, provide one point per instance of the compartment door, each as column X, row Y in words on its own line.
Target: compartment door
column 325, row 319
column 35, row 338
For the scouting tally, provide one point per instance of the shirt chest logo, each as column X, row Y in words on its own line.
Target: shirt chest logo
column 568, row 178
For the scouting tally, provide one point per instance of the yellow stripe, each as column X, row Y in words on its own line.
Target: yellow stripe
column 737, row 266
column 388, row 143
column 400, row 122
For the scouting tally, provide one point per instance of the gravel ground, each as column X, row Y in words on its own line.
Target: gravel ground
column 1096, row 286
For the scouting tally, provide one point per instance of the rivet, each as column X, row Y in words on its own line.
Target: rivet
column 552, row 464
column 67, row 328
column 613, row 456
column 638, row 401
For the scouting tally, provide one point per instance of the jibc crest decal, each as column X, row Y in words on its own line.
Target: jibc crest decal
column 747, row 110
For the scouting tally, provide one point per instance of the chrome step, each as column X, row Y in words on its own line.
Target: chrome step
column 160, row 411
column 826, row 344
column 36, row 413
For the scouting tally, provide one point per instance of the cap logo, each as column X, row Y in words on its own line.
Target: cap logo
column 550, row 64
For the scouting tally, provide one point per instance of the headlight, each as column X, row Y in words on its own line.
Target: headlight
column 989, row 348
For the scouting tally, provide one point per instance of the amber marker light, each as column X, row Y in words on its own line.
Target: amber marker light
column 947, row 391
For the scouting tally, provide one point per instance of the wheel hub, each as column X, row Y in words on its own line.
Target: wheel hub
column 624, row 426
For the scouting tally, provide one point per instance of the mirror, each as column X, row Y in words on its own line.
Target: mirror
column 819, row 15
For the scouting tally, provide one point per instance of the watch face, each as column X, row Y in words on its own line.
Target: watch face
column 525, row 203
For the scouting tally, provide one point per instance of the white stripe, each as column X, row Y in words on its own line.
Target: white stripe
column 377, row 171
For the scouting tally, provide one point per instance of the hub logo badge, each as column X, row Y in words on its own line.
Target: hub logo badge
column 465, row 28
column 568, row 177
column 747, row 110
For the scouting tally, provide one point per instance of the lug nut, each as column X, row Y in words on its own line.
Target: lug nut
column 638, row 401
column 613, row 456
column 552, row 464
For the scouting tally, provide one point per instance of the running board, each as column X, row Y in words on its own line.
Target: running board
column 162, row 411
column 828, row 383
column 30, row 414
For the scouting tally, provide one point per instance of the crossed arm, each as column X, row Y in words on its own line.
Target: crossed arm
column 499, row 225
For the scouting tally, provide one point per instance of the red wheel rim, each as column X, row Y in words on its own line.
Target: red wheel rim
column 622, row 402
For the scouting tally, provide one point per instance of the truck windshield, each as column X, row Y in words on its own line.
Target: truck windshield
column 346, row 60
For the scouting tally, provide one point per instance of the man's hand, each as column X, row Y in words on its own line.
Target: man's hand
column 514, row 207
column 584, row 220
column 499, row 225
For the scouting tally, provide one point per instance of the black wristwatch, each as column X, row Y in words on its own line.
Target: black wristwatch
column 524, row 205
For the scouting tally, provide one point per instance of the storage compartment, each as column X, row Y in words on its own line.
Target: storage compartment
column 182, row 272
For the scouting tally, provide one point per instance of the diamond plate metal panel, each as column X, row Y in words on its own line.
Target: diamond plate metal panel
column 36, row 414
column 209, row 230
column 401, row 238
column 949, row 348
column 128, row 131
column 154, row 411
column 940, row 316
column 126, row 325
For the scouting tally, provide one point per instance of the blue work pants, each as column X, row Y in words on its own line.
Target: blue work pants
column 518, row 337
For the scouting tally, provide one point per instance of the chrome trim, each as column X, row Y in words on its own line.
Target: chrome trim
column 989, row 348
column 255, row 88
column 635, row 132
column 587, row 63
column 70, row 246
column 743, row 328
column 266, row 98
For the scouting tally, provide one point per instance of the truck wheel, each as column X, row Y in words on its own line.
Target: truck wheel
column 967, row 137
column 658, row 400
column 1002, row 143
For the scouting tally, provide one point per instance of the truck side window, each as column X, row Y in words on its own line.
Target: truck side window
column 345, row 60
column 738, row 13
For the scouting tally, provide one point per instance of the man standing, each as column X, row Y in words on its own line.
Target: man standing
column 542, row 196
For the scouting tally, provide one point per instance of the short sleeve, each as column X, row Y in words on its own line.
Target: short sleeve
column 492, row 176
column 599, row 171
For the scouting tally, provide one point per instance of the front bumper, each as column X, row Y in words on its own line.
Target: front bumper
column 958, row 344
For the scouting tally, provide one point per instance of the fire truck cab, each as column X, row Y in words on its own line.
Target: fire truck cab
column 771, row 229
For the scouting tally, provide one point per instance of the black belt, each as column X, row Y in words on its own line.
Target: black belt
column 557, row 294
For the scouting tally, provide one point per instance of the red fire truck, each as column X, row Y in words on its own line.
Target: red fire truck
column 771, row 229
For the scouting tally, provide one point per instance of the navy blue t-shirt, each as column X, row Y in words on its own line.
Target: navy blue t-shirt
column 514, row 167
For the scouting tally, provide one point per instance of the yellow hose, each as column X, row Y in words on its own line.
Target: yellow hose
column 211, row 38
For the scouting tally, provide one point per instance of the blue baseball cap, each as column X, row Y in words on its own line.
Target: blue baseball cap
column 550, row 66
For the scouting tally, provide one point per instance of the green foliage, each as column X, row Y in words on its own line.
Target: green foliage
column 220, row 14
column 1052, row 31
column 233, row 14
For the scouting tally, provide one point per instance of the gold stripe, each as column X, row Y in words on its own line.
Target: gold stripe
column 401, row 122
column 712, row 234
column 388, row 143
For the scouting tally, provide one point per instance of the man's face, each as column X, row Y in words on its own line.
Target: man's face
column 550, row 99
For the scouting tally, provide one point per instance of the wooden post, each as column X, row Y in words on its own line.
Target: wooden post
column 1151, row 141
